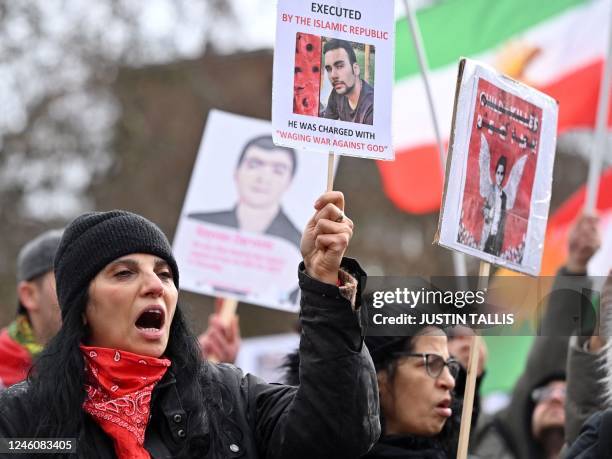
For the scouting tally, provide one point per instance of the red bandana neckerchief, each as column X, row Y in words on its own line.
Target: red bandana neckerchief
column 119, row 386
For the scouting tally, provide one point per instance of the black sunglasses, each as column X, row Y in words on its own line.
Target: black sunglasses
column 434, row 363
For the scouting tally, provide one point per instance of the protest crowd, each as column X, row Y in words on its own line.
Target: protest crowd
column 101, row 358
column 399, row 396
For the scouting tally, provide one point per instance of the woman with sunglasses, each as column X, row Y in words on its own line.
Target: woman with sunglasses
column 416, row 377
column 124, row 379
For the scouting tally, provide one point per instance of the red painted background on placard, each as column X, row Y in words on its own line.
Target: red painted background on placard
column 516, row 218
column 307, row 77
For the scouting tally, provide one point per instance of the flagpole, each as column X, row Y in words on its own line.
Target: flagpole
column 458, row 258
column 601, row 124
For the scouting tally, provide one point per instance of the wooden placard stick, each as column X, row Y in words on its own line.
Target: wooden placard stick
column 472, row 371
column 227, row 312
column 330, row 171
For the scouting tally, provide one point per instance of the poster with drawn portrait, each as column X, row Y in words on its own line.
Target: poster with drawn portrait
column 247, row 203
column 333, row 77
column 499, row 172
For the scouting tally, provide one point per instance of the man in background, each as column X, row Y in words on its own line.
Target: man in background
column 38, row 314
column 534, row 422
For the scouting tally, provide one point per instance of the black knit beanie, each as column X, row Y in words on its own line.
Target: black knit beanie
column 382, row 348
column 95, row 239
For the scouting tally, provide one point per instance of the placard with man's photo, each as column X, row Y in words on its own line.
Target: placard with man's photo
column 499, row 171
column 247, row 204
column 333, row 77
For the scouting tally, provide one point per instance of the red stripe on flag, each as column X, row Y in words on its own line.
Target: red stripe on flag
column 571, row 208
column 413, row 181
column 577, row 93
column 559, row 224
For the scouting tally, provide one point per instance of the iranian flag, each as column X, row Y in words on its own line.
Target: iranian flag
column 556, row 46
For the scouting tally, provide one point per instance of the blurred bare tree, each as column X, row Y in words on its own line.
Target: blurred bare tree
column 58, row 60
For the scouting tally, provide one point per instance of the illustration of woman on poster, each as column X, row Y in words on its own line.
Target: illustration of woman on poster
column 498, row 198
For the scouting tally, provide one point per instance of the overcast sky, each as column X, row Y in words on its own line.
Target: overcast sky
column 258, row 22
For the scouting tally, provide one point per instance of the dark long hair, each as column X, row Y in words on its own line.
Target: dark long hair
column 57, row 384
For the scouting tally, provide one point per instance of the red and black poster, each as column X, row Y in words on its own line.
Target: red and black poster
column 501, row 166
column 499, row 174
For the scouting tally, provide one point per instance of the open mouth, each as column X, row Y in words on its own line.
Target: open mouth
column 444, row 404
column 443, row 408
column 151, row 319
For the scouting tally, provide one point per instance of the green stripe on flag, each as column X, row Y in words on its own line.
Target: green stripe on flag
column 506, row 362
column 467, row 27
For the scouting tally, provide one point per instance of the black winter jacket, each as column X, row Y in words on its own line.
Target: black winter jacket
column 407, row 447
column 595, row 440
column 332, row 414
column 508, row 434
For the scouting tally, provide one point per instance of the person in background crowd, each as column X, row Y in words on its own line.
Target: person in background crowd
column 38, row 314
column 416, row 377
column 533, row 424
column 459, row 344
column 221, row 340
column 590, row 387
column 125, row 377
